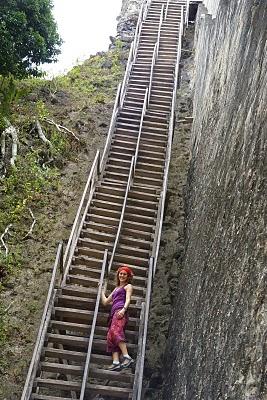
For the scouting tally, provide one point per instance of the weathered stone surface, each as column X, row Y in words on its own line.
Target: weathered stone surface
column 128, row 19
column 217, row 344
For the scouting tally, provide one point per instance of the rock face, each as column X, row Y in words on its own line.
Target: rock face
column 128, row 19
column 217, row 342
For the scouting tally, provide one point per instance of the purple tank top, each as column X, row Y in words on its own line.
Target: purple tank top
column 118, row 300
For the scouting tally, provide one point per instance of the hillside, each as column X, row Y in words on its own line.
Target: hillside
column 48, row 181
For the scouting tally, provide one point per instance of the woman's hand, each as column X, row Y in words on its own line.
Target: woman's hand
column 121, row 313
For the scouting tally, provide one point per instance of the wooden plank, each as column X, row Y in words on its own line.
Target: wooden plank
column 112, row 391
column 63, row 354
column 36, row 396
column 120, row 376
column 85, row 328
column 62, row 368
column 75, row 341
column 58, row 384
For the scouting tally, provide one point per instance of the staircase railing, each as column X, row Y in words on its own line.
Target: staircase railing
column 153, row 62
column 187, row 12
column 122, row 215
column 127, row 74
column 141, row 18
column 155, row 54
column 148, row 3
column 111, row 128
column 182, row 22
column 166, row 11
column 81, row 214
column 156, row 244
column 141, row 347
column 132, row 54
column 160, row 22
column 51, row 295
column 90, row 343
column 145, row 105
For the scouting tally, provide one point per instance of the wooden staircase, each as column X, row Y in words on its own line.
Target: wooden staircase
column 118, row 222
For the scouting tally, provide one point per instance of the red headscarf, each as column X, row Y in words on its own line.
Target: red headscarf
column 126, row 269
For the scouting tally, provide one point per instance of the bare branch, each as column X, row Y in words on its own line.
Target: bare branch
column 32, row 225
column 60, row 127
column 2, row 238
column 8, row 307
column 12, row 131
column 14, row 134
column 41, row 133
column 3, row 144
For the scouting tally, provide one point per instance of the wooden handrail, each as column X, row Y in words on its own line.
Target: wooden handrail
column 26, row 394
column 80, row 209
column 166, row 11
column 187, row 12
column 142, row 13
column 139, row 353
column 183, row 19
column 160, row 216
column 158, row 229
column 122, row 215
column 160, row 22
column 126, row 75
column 81, row 214
column 111, row 128
column 90, row 343
column 140, row 129
column 155, row 52
column 146, row 8
column 139, row 379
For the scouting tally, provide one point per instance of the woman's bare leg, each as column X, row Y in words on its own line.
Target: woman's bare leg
column 115, row 356
column 123, row 347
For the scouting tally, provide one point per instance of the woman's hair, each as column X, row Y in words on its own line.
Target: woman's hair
column 128, row 271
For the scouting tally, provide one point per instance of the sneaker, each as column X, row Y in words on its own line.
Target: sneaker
column 127, row 362
column 114, row 367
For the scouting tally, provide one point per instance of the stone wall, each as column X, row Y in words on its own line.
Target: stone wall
column 217, row 343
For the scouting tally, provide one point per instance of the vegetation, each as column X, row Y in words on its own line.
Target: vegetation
column 97, row 77
column 28, row 36
column 37, row 171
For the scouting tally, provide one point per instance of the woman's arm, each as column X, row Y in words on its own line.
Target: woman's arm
column 129, row 292
column 104, row 299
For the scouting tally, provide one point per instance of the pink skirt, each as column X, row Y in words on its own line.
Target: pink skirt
column 116, row 333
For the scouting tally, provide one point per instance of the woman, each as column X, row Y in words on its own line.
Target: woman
column 120, row 299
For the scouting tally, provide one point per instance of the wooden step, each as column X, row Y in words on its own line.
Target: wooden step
column 86, row 329
column 57, row 368
column 89, row 292
column 77, row 315
column 36, row 396
column 58, row 384
column 124, row 239
column 112, row 229
column 115, row 376
column 52, row 353
column 119, row 392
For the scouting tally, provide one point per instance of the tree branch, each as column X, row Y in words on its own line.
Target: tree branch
column 2, row 238
column 60, row 127
column 41, row 133
column 32, row 225
column 14, row 135
column 3, row 144
column 12, row 131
